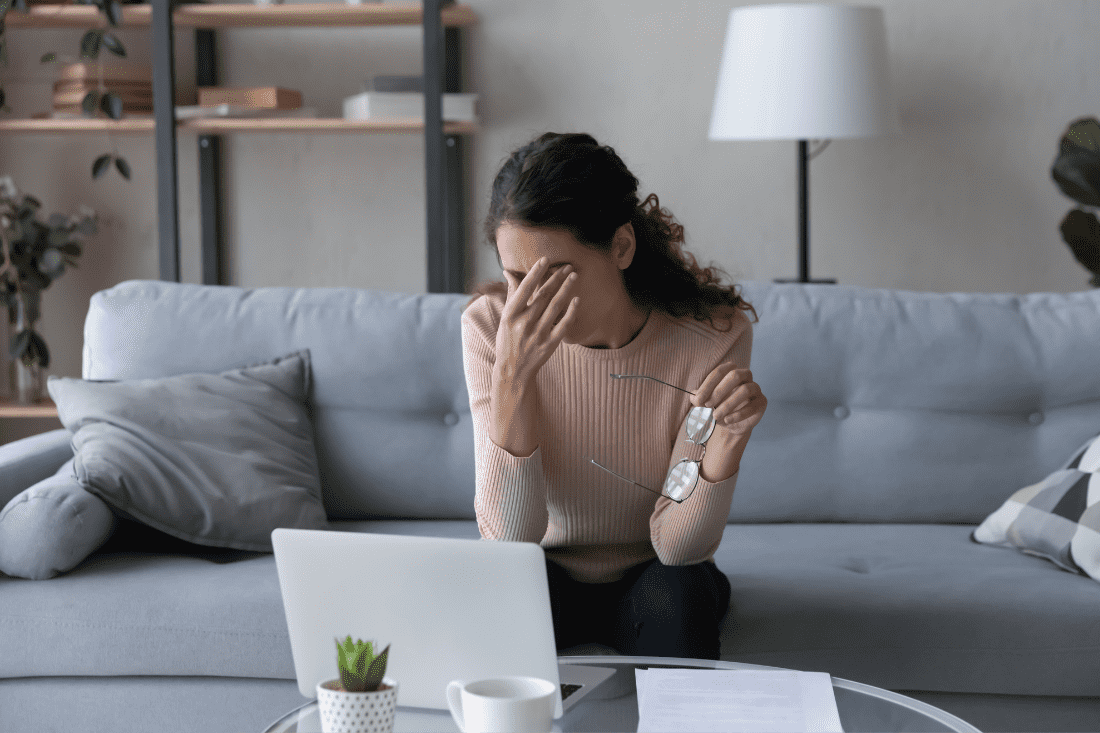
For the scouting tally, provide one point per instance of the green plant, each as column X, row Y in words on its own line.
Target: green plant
column 33, row 254
column 360, row 669
column 90, row 44
column 1076, row 172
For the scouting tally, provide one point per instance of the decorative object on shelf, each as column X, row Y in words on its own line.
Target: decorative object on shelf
column 1076, row 172
column 110, row 102
column 795, row 72
column 256, row 97
column 362, row 699
column 32, row 255
column 81, row 86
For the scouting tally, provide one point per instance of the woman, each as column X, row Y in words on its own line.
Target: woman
column 575, row 459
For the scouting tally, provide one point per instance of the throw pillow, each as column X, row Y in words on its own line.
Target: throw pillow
column 1057, row 518
column 50, row 528
column 213, row 459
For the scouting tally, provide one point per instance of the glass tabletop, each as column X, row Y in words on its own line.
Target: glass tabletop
column 613, row 706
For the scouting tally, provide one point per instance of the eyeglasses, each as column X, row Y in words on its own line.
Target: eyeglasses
column 682, row 478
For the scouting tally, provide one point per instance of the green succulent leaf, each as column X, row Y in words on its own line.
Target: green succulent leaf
column 1076, row 170
column 37, row 352
column 1081, row 230
column 100, row 166
column 123, row 167
column 377, row 669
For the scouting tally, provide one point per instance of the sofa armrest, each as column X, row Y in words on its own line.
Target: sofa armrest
column 25, row 462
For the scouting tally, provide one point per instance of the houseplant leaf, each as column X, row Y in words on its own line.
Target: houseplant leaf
column 111, row 104
column 1076, row 170
column 123, row 167
column 90, row 103
column 100, row 166
column 113, row 44
column 89, row 44
column 1081, row 230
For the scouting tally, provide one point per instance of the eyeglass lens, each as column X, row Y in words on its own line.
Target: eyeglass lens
column 684, row 475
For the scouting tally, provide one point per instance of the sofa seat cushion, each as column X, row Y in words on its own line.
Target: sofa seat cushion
column 909, row 607
column 134, row 613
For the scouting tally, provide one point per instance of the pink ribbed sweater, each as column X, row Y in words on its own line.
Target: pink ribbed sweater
column 593, row 524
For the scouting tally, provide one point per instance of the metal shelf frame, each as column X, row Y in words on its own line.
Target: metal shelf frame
column 444, row 153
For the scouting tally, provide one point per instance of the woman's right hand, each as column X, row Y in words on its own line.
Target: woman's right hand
column 527, row 336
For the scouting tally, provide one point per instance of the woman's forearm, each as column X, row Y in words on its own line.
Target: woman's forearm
column 513, row 414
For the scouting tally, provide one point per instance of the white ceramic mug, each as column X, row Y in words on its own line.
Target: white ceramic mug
column 503, row 704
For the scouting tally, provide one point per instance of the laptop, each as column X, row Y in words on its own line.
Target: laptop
column 450, row 609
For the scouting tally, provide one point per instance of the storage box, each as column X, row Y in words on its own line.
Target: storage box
column 407, row 105
column 259, row 97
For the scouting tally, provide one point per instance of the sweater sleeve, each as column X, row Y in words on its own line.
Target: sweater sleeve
column 510, row 495
column 690, row 532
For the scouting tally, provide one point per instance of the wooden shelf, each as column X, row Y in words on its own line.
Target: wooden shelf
column 46, row 408
column 214, row 125
column 239, row 15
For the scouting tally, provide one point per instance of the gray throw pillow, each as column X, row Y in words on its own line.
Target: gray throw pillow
column 214, row 459
column 1057, row 518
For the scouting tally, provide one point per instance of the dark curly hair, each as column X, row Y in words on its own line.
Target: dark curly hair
column 572, row 183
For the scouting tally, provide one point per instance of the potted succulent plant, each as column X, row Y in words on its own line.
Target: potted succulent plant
column 33, row 253
column 362, row 699
column 1076, row 172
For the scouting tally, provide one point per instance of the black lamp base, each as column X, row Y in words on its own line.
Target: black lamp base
column 813, row 281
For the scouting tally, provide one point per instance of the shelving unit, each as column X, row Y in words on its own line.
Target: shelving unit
column 441, row 20
column 46, row 408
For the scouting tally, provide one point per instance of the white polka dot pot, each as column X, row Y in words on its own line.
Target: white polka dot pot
column 357, row 712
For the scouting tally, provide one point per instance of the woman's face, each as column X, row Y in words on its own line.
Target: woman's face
column 598, row 285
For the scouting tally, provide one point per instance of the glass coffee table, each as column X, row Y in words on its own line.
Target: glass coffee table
column 613, row 706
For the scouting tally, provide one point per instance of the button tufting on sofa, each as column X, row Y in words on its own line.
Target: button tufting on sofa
column 1035, row 418
column 841, row 412
column 450, row 419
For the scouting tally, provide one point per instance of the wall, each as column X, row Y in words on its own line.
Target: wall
column 961, row 200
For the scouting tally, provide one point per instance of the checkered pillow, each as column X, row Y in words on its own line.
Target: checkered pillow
column 1057, row 518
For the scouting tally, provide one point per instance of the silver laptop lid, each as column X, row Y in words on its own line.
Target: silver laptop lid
column 450, row 609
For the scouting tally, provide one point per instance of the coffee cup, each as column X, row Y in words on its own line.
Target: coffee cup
column 500, row 704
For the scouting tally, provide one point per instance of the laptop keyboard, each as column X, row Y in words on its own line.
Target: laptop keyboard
column 567, row 690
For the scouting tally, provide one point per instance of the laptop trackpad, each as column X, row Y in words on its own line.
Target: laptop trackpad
column 580, row 680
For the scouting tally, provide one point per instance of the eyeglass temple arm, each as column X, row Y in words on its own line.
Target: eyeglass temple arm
column 642, row 376
column 624, row 478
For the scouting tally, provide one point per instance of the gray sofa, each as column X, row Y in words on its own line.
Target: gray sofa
column 897, row 422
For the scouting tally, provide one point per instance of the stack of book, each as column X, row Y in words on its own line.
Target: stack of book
column 246, row 102
column 133, row 84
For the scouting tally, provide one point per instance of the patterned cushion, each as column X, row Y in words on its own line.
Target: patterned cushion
column 1057, row 518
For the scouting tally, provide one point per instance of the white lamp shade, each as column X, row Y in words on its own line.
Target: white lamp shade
column 802, row 72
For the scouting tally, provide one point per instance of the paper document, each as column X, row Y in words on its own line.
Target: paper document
column 786, row 701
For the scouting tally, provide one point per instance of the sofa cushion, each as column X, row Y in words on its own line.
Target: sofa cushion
column 1057, row 518
column 214, row 459
column 52, row 526
column 139, row 613
column 387, row 370
column 909, row 607
column 906, row 607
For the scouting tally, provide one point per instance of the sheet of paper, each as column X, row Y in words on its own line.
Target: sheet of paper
column 767, row 701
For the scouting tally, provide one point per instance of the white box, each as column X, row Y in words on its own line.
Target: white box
column 387, row 105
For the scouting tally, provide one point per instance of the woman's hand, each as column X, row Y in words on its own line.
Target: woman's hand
column 738, row 402
column 530, row 330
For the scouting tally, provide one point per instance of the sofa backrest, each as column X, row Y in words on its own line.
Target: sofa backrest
column 883, row 405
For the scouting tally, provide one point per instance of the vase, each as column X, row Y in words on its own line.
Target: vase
column 357, row 712
column 27, row 381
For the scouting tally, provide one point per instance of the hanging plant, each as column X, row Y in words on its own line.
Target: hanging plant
column 91, row 44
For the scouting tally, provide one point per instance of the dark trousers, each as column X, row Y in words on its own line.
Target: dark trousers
column 655, row 610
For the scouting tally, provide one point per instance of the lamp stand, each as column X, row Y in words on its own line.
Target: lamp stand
column 804, row 220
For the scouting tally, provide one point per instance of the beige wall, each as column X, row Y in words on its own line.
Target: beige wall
column 961, row 200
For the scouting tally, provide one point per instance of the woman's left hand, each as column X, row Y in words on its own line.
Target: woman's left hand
column 737, row 401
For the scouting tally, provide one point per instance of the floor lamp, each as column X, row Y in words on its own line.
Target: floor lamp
column 803, row 72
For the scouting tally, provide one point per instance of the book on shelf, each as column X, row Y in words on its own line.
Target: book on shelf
column 259, row 97
column 407, row 105
column 112, row 71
